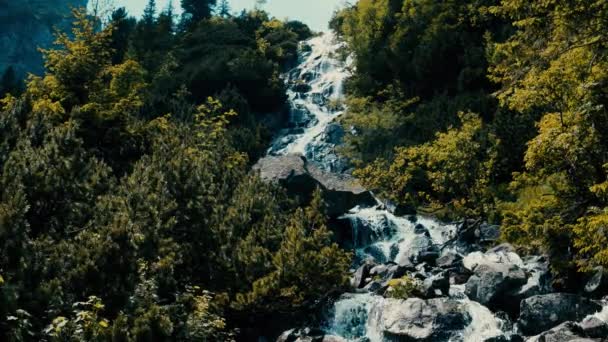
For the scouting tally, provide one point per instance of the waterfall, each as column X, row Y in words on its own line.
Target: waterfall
column 315, row 96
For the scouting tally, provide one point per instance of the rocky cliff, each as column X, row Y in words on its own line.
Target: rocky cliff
column 26, row 25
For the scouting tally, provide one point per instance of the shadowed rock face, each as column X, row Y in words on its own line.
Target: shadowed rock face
column 27, row 25
column 415, row 319
column 340, row 191
column 542, row 312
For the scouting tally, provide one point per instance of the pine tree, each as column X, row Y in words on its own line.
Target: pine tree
column 9, row 83
column 149, row 13
column 198, row 9
column 224, row 9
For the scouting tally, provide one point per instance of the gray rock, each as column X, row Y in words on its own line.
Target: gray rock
column 300, row 117
column 495, row 275
column 543, row 312
column 565, row 332
column 428, row 255
column 301, row 87
column 367, row 232
column 340, row 192
column 503, row 247
column 361, row 274
column 415, row 319
column 594, row 327
column 308, row 335
column 598, row 284
column 449, row 260
column 436, row 285
column 379, row 270
column 487, row 233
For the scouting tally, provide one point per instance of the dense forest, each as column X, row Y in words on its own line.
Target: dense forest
column 487, row 109
column 128, row 211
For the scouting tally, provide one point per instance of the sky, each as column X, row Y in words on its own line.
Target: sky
column 315, row 13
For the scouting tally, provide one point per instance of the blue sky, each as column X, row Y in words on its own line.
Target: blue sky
column 315, row 13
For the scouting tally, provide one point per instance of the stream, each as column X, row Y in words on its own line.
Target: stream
column 440, row 256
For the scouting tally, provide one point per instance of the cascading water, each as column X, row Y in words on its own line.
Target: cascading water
column 315, row 98
column 316, row 102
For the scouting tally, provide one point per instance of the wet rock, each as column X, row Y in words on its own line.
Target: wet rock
column 428, row 255
column 436, row 285
column 376, row 253
column 487, row 233
column 307, row 76
column 400, row 209
column 538, row 282
column 421, row 230
column 367, row 232
column 333, row 134
column 565, row 332
column 415, row 319
column 308, row 335
column 543, row 312
column 494, row 275
column 361, row 274
column 301, row 87
column 503, row 247
column 449, row 260
column 379, row 270
column 376, row 287
column 300, row 178
column 460, row 275
column 598, row 284
column 300, row 116
column 594, row 327
column 319, row 99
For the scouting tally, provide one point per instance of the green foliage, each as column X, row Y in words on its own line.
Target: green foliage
column 127, row 211
column 198, row 9
column 306, row 267
column 553, row 68
column 455, row 168
column 403, row 288
column 534, row 160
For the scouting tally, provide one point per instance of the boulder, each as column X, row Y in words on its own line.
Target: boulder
column 565, row 332
column 449, row 260
column 538, row 282
column 367, row 232
column 487, row 233
column 308, row 335
column 494, row 275
column 436, row 285
column 542, row 312
column 301, row 87
column 361, row 275
column 415, row 319
column 300, row 116
column 598, row 284
column 503, row 247
column 428, row 255
column 592, row 326
column 340, row 192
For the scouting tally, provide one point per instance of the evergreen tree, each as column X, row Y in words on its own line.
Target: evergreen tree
column 198, row 9
column 9, row 84
column 149, row 15
column 223, row 9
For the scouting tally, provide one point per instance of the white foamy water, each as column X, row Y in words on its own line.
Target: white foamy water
column 315, row 95
column 380, row 234
column 322, row 74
